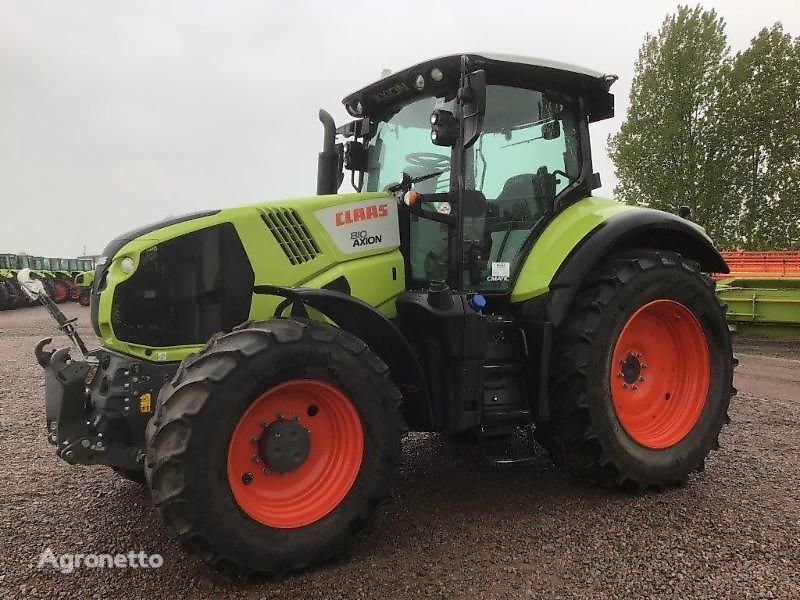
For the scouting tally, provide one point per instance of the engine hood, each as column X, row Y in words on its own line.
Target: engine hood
column 205, row 264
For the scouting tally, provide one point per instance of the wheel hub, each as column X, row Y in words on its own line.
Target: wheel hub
column 284, row 445
column 631, row 368
column 277, row 476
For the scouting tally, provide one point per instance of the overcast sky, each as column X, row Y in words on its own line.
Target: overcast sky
column 115, row 114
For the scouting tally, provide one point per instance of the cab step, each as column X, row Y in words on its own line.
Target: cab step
column 505, row 450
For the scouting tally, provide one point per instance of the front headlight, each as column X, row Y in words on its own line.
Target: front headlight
column 127, row 265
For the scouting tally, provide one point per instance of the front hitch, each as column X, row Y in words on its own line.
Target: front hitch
column 97, row 409
column 74, row 425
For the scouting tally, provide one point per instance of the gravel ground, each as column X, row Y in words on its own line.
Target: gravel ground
column 454, row 529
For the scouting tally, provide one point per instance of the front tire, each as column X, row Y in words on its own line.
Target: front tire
column 642, row 373
column 272, row 448
column 5, row 296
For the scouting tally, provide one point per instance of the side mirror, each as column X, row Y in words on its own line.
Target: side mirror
column 444, row 127
column 473, row 100
column 355, row 156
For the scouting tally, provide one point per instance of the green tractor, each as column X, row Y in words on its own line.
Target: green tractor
column 83, row 283
column 66, row 269
column 25, row 261
column 58, row 282
column 260, row 364
column 11, row 296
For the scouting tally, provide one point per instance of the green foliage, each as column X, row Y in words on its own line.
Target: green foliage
column 660, row 151
column 720, row 135
column 759, row 149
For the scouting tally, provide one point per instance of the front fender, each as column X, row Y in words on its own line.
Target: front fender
column 374, row 329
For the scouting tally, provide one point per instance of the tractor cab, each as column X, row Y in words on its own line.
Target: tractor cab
column 8, row 261
column 483, row 150
column 480, row 153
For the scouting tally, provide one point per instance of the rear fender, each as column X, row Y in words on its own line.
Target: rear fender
column 585, row 233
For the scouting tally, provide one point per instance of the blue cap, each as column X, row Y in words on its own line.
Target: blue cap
column 477, row 302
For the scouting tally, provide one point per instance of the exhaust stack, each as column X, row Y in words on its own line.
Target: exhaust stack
column 328, row 162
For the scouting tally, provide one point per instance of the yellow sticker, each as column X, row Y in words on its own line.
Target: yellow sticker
column 144, row 402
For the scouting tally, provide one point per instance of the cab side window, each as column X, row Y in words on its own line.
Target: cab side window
column 526, row 155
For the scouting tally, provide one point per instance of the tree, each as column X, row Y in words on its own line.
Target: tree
column 758, row 117
column 661, row 152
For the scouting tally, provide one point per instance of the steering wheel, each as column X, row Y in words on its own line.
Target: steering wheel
column 431, row 161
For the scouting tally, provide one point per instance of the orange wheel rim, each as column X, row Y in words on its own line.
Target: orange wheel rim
column 295, row 453
column 660, row 374
column 60, row 290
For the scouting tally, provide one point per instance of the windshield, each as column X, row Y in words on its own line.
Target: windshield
column 403, row 144
column 527, row 154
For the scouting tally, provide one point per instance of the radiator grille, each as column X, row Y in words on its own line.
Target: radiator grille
column 291, row 234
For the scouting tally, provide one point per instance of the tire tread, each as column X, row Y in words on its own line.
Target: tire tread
column 193, row 387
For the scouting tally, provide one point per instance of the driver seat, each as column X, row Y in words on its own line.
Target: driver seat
column 528, row 196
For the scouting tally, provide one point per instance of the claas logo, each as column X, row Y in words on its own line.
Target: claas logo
column 354, row 215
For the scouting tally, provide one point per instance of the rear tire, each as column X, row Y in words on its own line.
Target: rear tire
column 60, row 290
column 220, row 501
column 642, row 373
column 17, row 297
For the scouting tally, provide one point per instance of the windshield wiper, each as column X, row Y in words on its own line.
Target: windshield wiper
column 407, row 181
column 541, row 137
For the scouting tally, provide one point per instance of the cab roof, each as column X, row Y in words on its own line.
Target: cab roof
column 420, row 80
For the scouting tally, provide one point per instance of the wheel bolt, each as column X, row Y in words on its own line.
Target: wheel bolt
column 644, row 365
column 264, row 424
column 619, row 374
column 247, row 478
column 634, row 387
column 277, row 434
column 641, row 379
column 625, row 385
column 279, row 416
column 253, row 440
column 256, row 459
column 266, row 471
